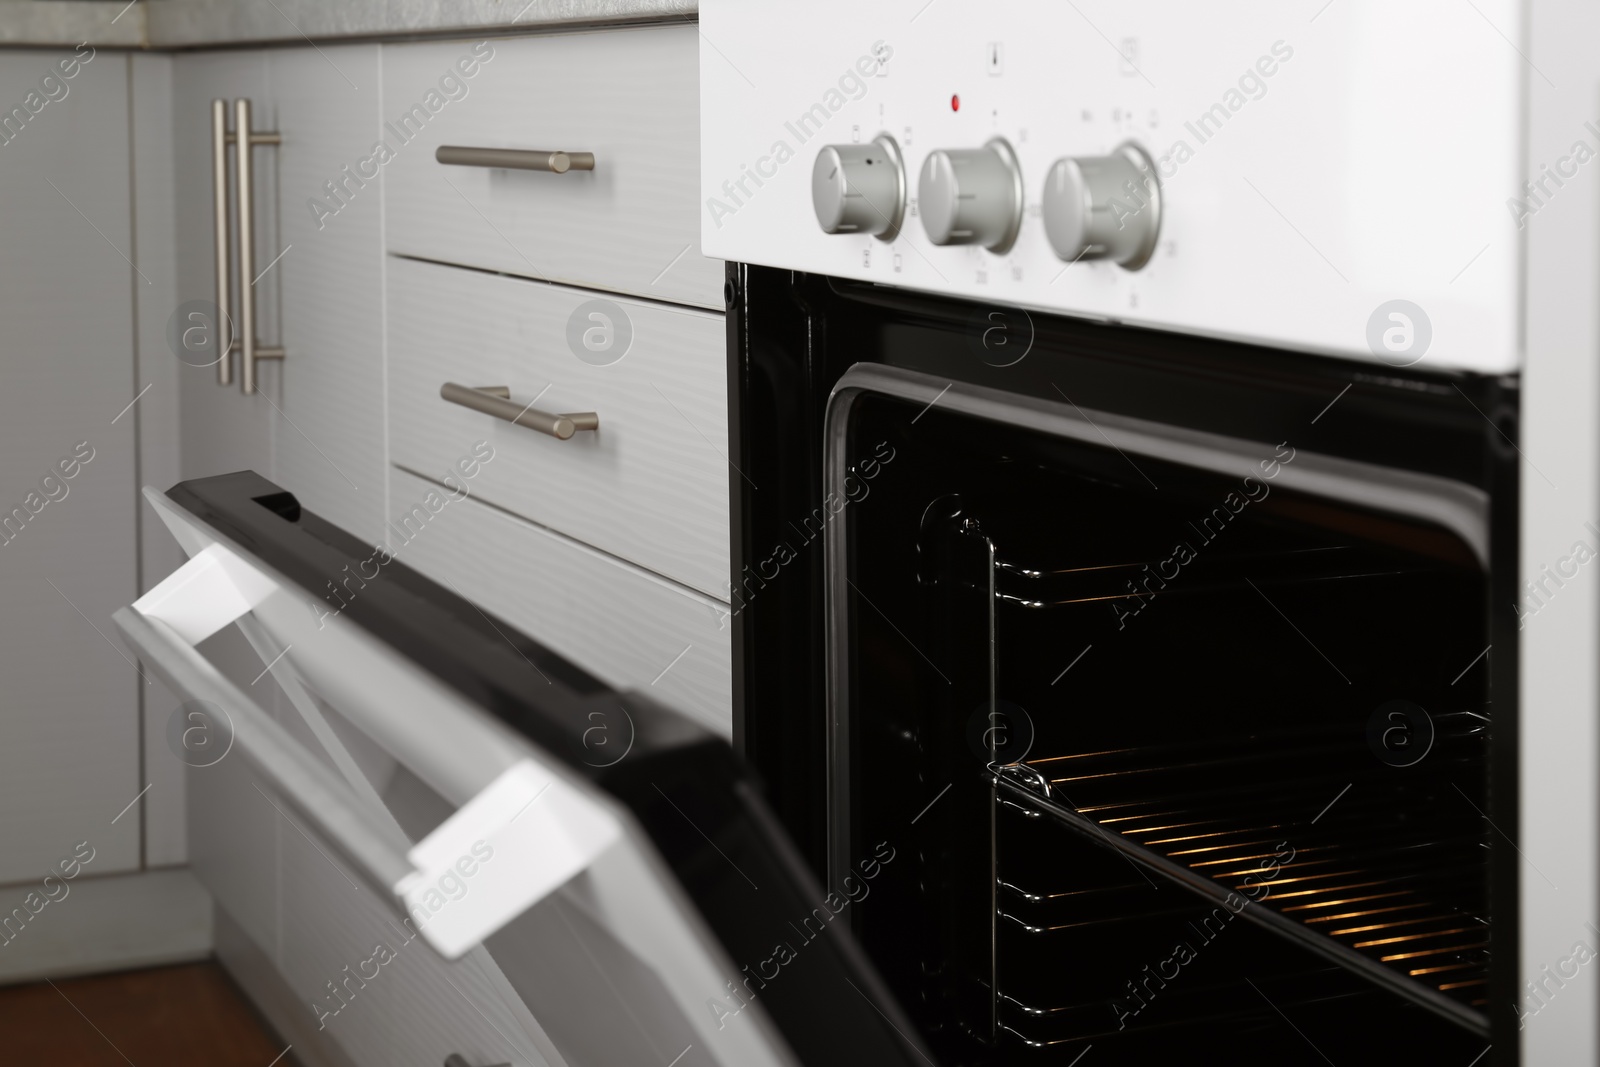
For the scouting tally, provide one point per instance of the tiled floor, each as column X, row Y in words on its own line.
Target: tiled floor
column 186, row 1016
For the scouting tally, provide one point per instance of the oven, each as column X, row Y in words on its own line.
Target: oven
column 1111, row 539
column 1173, row 664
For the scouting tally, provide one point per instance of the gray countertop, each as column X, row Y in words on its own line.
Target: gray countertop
column 162, row 24
column 71, row 22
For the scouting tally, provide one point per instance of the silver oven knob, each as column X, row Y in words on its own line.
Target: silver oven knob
column 1103, row 207
column 859, row 188
column 972, row 196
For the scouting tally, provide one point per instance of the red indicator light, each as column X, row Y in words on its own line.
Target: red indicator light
column 955, row 102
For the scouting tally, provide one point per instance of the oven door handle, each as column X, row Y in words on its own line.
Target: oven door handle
column 319, row 796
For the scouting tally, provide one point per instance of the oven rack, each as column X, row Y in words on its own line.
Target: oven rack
column 1389, row 872
column 1032, row 589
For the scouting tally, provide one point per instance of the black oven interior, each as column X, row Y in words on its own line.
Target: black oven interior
column 1204, row 758
column 1077, row 774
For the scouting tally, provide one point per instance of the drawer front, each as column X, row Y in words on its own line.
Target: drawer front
column 372, row 991
column 279, row 882
column 627, row 627
column 234, row 845
column 630, row 97
column 373, row 984
column 650, row 485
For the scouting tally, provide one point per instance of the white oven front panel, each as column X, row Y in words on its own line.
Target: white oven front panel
column 1341, row 178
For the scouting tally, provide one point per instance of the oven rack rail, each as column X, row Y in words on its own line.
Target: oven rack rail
column 1028, row 788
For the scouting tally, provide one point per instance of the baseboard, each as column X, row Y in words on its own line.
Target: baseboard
column 288, row 1015
column 115, row 923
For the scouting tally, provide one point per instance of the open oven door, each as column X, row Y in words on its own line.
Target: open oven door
column 595, row 875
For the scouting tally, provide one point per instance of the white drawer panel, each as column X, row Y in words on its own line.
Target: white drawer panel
column 233, row 845
column 627, row 627
column 650, row 485
column 373, row 984
column 318, row 921
column 629, row 96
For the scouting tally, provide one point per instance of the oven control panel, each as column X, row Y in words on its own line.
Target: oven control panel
column 1325, row 178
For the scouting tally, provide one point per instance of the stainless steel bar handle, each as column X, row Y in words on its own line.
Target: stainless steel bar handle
column 245, row 207
column 514, row 158
column 223, row 327
column 495, row 400
column 249, row 350
column 256, row 138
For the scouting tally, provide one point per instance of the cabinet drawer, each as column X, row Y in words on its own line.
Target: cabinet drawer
column 630, row 97
column 319, row 910
column 650, row 485
column 372, row 983
column 366, row 981
column 627, row 627
column 233, row 845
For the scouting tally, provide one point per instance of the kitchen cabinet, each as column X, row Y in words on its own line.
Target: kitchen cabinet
column 626, row 625
column 220, row 429
column 235, row 842
column 354, row 985
column 317, row 417
column 317, row 423
column 629, row 97
column 156, row 417
column 132, row 156
column 328, row 427
column 376, row 989
column 69, row 741
column 578, row 291
column 650, row 485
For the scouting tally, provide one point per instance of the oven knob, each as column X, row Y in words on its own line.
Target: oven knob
column 1103, row 207
column 859, row 188
column 972, row 196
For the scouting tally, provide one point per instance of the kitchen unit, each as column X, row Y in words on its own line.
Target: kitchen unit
column 627, row 533
column 389, row 297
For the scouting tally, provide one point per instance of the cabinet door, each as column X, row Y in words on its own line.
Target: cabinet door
column 317, row 416
column 69, row 744
column 223, row 430
column 328, row 443
column 316, row 421
column 232, row 843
